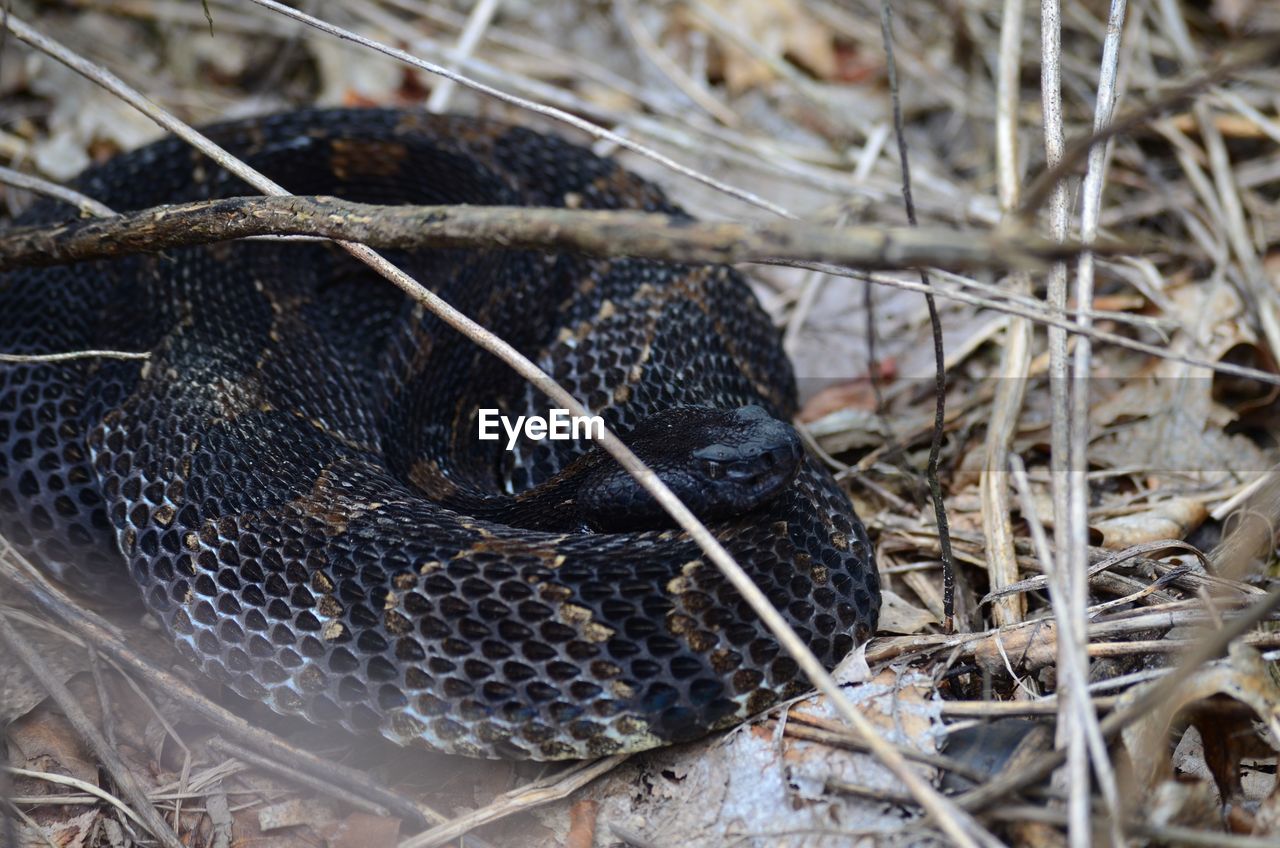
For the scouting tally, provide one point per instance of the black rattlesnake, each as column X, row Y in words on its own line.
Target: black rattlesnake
column 295, row 480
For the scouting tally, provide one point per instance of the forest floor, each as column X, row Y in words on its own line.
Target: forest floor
column 1152, row 368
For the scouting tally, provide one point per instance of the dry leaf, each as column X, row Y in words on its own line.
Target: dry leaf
column 755, row 780
column 69, row 833
column 1236, row 708
column 906, row 618
column 1172, row 519
column 857, row 393
column 19, row 691
column 293, row 813
column 582, row 824
column 782, row 28
column 43, row 740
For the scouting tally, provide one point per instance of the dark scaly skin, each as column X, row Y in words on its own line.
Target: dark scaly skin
column 274, row 473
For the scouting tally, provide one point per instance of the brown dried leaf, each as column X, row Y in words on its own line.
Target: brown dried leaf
column 1171, row 519
column 846, row 394
column 68, row 833
column 899, row 616
column 1166, row 418
column 293, row 813
column 43, row 740
column 582, row 824
column 782, row 28
column 1225, row 703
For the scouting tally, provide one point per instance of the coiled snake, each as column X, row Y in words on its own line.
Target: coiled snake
column 295, row 480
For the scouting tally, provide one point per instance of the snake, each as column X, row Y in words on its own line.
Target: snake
column 293, row 484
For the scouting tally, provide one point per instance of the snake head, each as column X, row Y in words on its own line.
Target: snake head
column 721, row 463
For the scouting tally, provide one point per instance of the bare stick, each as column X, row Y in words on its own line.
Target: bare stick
column 1015, row 359
column 935, row 324
column 601, row 233
column 1074, row 641
column 71, row 356
column 520, row 800
column 146, row 813
column 1059, row 397
column 87, row 205
column 93, row 630
column 541, row 109
column 607, row 233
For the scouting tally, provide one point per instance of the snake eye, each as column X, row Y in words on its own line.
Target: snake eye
column 715, row 470
column 716, row 453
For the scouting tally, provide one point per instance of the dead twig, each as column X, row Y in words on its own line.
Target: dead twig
column 143, row 811
column 596, row 233
column 935, row 326
column 26, row 582
column 1015, row 358
column 1152, row 696
column 87, row 205
column 536, row 794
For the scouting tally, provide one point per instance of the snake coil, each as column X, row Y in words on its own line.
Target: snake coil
column 294, row 479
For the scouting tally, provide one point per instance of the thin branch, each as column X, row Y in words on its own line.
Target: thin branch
column 935, row 324
column 520, row 800
column 71, row 356
column 87, row 205
column 1151, row 698
column 539, row 108
column 144, row 813
column 1085, row 738
column 24, row 580
column 1015, row 358
column 606, row 233
column 1059, row 396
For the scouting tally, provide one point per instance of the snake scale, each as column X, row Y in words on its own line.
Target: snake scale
column 295, row 482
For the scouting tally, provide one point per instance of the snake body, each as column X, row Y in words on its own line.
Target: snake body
column 290, row 474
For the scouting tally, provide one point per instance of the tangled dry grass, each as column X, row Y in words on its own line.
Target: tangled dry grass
column 1108, row 420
